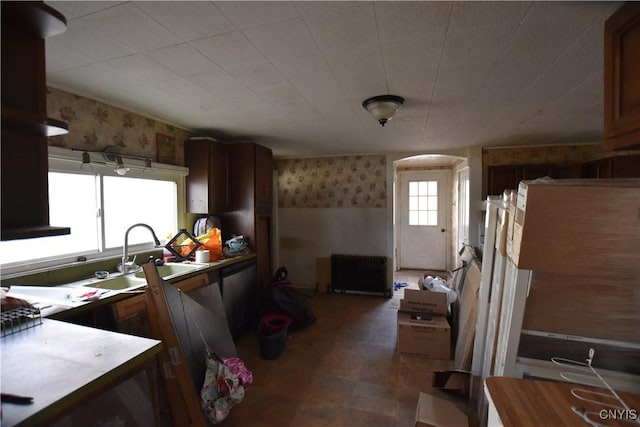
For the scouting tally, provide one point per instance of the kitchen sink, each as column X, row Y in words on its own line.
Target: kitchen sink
column 170, row 270
column 117, row 283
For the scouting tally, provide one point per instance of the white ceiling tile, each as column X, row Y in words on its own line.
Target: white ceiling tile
column 183, row 60
column 228, row 49
column 317, row 9
column 96, row 79
column 92, row 42
column 282, row 95
column 249, row 14
column 76, row 9
column 256, row 75
column 59, row 57
column 190, row 94
column 132, row 27
column 190, row 20
column 348, row 29
column 406, row 20
column 141, row 69
column 301, row 63
column 227, row 88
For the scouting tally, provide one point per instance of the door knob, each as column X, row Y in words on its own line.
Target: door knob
column 442, row 230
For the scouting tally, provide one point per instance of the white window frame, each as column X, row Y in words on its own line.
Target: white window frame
column 70, row 161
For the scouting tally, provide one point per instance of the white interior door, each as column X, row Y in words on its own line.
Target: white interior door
column 422, row 219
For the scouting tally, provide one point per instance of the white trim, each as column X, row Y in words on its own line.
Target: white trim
column 62, row 159
column 614, row 343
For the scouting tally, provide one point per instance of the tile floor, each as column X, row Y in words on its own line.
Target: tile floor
column 341, row 371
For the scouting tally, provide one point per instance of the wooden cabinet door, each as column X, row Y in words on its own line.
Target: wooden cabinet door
column 622, row 78
column 508, row 177
column 218, row 178
column 264, row 178
column 208, row 179
column 502, row 178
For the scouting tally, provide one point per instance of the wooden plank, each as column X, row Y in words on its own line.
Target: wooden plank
column 595, row 304
column 160, row 318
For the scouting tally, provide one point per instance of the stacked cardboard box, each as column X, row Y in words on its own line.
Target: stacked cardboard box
column 423, row 329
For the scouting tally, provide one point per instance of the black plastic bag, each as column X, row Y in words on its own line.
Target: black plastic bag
column 282, row 297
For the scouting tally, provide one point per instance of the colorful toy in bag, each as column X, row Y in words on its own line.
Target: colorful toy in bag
column 225, row 382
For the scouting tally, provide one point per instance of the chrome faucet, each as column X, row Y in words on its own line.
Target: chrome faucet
column 125, row 248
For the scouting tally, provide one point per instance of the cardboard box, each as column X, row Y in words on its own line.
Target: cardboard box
column 424, row 336
column 577, row 225
column 437, row 412
column 424, row 302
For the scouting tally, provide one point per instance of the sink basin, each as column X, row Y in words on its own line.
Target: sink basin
column 117, row 283
column 169, row 270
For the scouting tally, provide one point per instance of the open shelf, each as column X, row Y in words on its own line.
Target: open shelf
column 15, row 233
column 33, row 123
column 39, row 19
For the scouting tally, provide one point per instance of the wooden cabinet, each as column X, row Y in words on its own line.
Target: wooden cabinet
column 208, row 179
column 622, row 78
column 264, row 179
column 25, row 126
column 507, row 177
column 613, row 167
column 252, row 202
column 239, row 294
column 136, row 306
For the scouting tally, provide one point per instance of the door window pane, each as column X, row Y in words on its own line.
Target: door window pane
column 423, row 202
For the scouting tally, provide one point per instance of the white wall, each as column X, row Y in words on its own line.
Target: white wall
column 309, row 233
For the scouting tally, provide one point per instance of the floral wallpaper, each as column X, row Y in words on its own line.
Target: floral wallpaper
column 94, row 125
column 329, row 182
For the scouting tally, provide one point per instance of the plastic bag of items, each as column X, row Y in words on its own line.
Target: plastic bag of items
column 438, row 284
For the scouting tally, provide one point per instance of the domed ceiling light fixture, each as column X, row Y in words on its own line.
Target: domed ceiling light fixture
column 383, row 107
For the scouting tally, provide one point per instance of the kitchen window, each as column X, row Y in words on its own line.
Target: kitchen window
column 99, row 205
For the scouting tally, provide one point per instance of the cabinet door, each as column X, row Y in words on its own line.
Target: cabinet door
column 264, row 178
column 622, row 78
column 218, row 178
column 502, row 178
column 207, row 182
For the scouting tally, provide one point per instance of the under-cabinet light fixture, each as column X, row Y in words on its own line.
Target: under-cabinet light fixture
column 112, row 153
column 120, row 168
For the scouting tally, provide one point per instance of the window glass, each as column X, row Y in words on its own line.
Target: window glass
column 129, row 201
column 423, row 202
column 66, row 209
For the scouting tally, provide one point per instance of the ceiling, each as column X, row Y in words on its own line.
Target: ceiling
column 292, row 75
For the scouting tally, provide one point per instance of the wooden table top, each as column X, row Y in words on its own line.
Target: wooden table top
column 523, row 402
column 59, row 364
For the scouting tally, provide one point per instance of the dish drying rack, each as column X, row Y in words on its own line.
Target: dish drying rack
column 18, row 319
column 593, row 378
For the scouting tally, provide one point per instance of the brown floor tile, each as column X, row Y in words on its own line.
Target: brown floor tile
column 343, row 370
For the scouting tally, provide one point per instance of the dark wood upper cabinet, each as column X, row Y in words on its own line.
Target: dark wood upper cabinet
column 208, row 179
column 613, row 167
column 25, row 125
column 622, row 78
column 507, row 177
column 264, row 179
